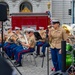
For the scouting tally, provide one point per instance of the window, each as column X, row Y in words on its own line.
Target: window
column 26, row 7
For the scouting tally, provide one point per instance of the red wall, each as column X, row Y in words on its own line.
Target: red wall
column 39, row 21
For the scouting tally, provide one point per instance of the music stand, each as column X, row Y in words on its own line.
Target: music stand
column 37, row 35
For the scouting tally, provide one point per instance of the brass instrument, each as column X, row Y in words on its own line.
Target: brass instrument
column 18, row 40
column 67, row 28
column 8, row 38
column 73, row 29
column 26, row 40
column 21, row 39
column 12, row 39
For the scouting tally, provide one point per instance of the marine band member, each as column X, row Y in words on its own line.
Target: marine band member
column 40, row 43
column 56, row 35
column 20, row 50
column 9, row 41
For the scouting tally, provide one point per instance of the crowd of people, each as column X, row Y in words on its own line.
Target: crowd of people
column 16, row 43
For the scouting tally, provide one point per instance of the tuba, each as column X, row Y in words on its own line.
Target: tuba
column 25, row 37
column 73, row 29
column 67, row 28
column 24, row 40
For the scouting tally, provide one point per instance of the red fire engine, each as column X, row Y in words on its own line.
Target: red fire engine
column 34, row 20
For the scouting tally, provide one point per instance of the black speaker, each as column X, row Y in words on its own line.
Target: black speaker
column 63, row 48
column 3, row 12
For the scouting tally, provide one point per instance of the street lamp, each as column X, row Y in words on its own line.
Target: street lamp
column 48, row 5
column 49, row 14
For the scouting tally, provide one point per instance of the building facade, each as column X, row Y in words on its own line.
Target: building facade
column 16, row 6
column 59, row 8
column 26, row 6
column 62, row 9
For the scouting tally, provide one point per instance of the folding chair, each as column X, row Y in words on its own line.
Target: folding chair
column 30, row 54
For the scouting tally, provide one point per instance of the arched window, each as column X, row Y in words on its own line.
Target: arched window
column 26, row 7
column 6, row 6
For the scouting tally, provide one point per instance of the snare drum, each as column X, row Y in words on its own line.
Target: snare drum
column 68, row 47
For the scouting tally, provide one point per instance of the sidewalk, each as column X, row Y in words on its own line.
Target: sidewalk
column 29, row 68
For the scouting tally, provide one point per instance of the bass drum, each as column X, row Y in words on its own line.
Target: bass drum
column 68, row 47
column 68, row 60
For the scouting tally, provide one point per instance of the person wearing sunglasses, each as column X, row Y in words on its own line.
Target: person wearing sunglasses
column 29, row 47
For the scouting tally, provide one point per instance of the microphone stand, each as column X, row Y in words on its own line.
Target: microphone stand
column 2, row 51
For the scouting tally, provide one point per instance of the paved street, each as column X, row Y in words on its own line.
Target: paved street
column 29, row 67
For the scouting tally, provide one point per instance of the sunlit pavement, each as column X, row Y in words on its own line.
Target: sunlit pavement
column 29, row 67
